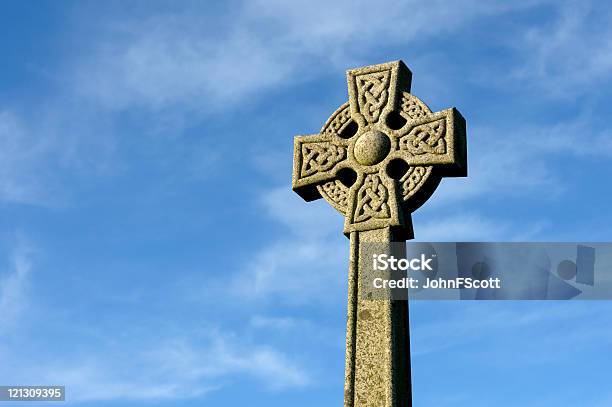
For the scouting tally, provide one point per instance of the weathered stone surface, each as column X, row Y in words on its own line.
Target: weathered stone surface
column 378, row 158
column 381, row 126
column 377, row 343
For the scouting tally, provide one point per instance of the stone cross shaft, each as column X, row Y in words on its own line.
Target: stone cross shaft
column 377, row 159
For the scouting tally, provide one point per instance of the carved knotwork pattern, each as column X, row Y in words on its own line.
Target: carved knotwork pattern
column 372, row 94
column 413, row 107
column 372, row 200
column 424, row 141
column 336, row 193
column 337, row 122
column 413, row 179
column 320, row 157
column 426, row 138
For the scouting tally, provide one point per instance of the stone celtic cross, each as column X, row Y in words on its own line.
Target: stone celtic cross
column 377, row 159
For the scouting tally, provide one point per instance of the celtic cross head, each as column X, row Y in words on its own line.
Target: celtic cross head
column 382, row 154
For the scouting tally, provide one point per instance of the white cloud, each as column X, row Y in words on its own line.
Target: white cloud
column 498, row 169
column 225, row 356
column 576, row 137
column 306, row 219
column 277, row 323
column 160, row 62
column 604, row 400
column 152, row 365
column 308, row 263
column 464, row 227
column 195, row 64
column 14, row 286
column 518, row 161
column 20, row 161
column 546, row 323
column 470, row 226
column 168, row 368
column 38, row 150
column 294, row 270
column 571, row 55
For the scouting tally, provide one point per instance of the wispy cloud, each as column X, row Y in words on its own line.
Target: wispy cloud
column 153, row 365
column 502, row 163
column 545, row 321
column 470, row 226
column 183, row 367
column 165, row 61
column 14, row 283
column 38, row 156
column 21, row 157
column 311, row 220
column 306, row 262
column 570, row 55
column 517, row 161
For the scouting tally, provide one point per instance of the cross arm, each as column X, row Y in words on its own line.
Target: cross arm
column 437, row 139
column 376, row 90
column 317, row 159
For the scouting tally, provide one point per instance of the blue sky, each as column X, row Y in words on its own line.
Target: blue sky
column 151, row 249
